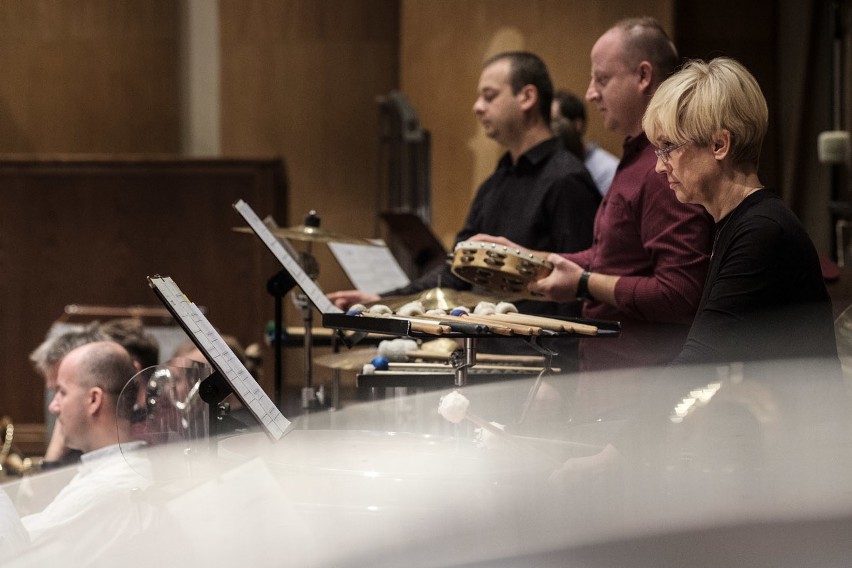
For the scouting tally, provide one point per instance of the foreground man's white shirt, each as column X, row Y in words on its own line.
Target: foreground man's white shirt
column 99, row 496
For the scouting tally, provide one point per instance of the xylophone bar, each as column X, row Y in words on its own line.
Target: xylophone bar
column 481, row 357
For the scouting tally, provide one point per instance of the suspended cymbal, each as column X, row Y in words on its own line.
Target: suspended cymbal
column 312, row 234
column 440, row 299
column 352, row 360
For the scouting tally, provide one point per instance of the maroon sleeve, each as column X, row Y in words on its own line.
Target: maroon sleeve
column 678, row 239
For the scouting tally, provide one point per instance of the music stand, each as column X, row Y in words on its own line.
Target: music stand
column 231, row 375
column 296, row 276
column 409, row 229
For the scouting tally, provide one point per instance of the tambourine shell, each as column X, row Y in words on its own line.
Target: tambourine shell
column 498, row 268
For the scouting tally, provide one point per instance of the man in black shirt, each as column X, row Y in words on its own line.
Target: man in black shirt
column 540, row 196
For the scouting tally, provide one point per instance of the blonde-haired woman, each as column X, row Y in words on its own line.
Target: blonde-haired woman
column 764, row 296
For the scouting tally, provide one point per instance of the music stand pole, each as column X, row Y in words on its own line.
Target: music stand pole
column 278, row 286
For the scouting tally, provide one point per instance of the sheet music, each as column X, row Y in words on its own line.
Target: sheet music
column 369, row 268
column 305, row 282
column 214, row 348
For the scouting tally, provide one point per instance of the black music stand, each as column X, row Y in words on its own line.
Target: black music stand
column 409, row 229
column 231, row 375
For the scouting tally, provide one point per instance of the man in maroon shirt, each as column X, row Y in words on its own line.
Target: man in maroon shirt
column 649, row 257
column 650, row 253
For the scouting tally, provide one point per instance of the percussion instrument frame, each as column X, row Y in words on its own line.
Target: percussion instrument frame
column 403, row 326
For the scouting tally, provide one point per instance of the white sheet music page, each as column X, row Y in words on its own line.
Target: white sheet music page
column 305, row 282
column 221, row 357
column 370, row 269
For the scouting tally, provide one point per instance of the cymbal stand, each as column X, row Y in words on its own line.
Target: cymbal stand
column 301, row 300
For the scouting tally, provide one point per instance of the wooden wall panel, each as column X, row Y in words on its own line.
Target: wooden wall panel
column 300, row 78
column 443, row 46
column 89, row 76
column 89, row 231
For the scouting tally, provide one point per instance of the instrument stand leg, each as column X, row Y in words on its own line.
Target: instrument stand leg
column 548, row 353
column 463, row 360
column 547, row 368
column 309, row 394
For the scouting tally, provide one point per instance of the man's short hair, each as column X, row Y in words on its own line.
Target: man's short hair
column 702, row 99
column 570, row 105
column 646, row 40
column 51, row 351
column 130, row 333
column 527, row 68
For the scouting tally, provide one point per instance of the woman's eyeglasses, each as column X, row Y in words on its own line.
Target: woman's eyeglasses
column 664, row 153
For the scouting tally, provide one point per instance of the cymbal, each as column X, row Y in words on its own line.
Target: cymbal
column 439, row 299
column 312, row 234
column 352, row 360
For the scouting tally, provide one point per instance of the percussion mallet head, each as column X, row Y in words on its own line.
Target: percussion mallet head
column 506, row 308
column 396, row 349
column 380, row 309
column 411, row 309
column 485, row 308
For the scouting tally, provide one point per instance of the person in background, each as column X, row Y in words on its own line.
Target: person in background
column 570, row 123
column 45, row 359
column 128, row 332
column 765, row 297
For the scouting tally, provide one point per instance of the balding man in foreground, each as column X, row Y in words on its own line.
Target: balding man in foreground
column 89, row 381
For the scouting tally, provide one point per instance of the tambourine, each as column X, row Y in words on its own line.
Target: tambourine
column 499, row 268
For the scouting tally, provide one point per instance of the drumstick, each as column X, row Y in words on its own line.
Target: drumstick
column 493, row 327
column 549, row 323
column 516, row 327
column 480, row 367
column 423, row 326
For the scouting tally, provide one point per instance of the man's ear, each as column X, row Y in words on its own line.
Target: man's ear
column 646, row 75
column 95, row 400
column 721, row 144
column 528, row 95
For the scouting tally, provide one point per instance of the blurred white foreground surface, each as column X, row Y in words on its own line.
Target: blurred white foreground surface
column 700, row 467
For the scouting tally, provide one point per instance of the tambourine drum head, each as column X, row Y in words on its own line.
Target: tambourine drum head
column 498, row 268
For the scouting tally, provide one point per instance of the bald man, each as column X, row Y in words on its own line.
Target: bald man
column 88, row 383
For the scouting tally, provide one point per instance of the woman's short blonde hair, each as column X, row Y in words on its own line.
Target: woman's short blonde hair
column 704, row 98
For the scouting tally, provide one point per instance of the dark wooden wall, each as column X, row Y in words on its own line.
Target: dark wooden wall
column 89, row 231
column 89, row 76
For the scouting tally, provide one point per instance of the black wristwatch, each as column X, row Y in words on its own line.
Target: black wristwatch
column 583, row 293
column 45, row 465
